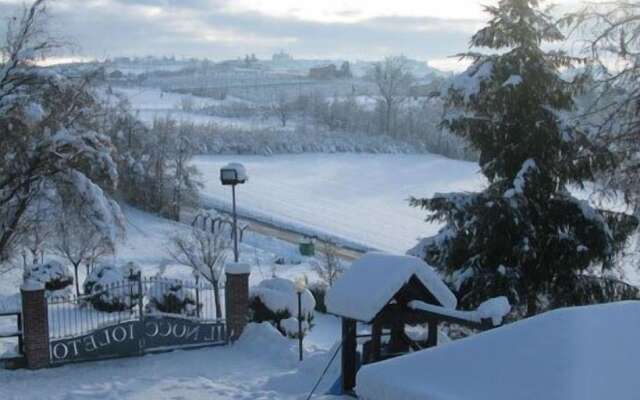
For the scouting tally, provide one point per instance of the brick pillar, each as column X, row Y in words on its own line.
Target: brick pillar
column 237, row 298
column 35, row 325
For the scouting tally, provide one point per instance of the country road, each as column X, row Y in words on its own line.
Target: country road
column 284, row 234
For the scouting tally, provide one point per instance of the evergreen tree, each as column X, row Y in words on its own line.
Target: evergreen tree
column 525, row 236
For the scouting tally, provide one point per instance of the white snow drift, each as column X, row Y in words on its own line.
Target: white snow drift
column 581, row 353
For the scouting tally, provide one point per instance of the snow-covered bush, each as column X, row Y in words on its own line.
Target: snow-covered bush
column 319, row 292
column 275, row 300
column 52, row 274
column 113, row 288
column 171, row 297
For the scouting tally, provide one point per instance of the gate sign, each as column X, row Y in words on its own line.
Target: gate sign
column 172, row 331
column 136, row 337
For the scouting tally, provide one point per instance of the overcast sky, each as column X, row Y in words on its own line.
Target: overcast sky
column 222, row 29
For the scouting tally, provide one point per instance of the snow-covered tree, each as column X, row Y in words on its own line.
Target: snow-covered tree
column 329, row 267
column 610, row 32
column 184, row 183
column 525, row 236
column 78, row 241
column 393, row 80
column 205, row 253
column 49, row 140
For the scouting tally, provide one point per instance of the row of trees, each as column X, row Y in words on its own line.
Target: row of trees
column 153, row 162
column 526, row 236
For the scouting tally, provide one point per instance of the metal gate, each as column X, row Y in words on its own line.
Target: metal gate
column 133, row 317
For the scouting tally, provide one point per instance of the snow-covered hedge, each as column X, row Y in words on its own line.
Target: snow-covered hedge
column 113, row 288
column 275, row 300
column 171, row 297
column 52, row 274
column 214, row 139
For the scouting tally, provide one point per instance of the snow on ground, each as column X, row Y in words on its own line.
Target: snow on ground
column 151, row 103
column 358, row 197
column 261, row 365
column 580, row 353
column 148, row 237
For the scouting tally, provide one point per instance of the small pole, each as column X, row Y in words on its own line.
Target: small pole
column 235, row 224
column 140, row 297
column 198, row 295
column 300, row 323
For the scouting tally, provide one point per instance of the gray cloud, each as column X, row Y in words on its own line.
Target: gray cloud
column 204, row 28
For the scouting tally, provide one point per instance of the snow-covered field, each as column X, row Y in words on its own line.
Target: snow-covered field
column 358, row 197
column 151, row 103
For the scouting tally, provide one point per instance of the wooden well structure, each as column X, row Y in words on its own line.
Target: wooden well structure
column 410, row 297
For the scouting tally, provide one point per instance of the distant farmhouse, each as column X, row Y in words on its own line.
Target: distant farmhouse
column 331, row 71
column 281, row 57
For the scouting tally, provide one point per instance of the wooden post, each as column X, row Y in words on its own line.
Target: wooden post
column 432, row 338
column 376, row 341
column 396, row 343
column 349, row 347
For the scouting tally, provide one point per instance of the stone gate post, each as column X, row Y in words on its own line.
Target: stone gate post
column 237, row 298
column 35, row 325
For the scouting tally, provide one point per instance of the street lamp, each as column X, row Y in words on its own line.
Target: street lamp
column 231, row 175
column 300, row 287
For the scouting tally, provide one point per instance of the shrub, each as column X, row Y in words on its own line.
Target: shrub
column 319, row 292
column 52, row 274
column 171, row 297
column 275, row 300
column 113, row 288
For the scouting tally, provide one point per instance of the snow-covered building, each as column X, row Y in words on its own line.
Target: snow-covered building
column 579, row 353
column 389, row 292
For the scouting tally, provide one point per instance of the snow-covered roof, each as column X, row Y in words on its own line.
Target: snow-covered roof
column 372, row 280
column 494, row 309
column 580, row 353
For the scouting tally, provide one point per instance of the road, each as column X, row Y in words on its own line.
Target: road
column 287, row 235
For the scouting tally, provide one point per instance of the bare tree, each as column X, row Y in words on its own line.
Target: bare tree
column 185, row 185
column 610, row 33
column 393, row 82
column 281, row 107
column 206, row 253
column 329, row 267
column 78, row 241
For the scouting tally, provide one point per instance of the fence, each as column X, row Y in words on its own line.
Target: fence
column 135, row 316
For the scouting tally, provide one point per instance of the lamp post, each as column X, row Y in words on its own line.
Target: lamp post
column 232, row 175
column 300, row 287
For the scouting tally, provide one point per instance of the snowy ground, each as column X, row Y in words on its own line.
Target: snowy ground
column 358, row 197
column 151, row 103
column 262, row 365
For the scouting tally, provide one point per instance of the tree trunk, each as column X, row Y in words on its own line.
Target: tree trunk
column 387, row 127
column 216, row 298
column 75, row 271
column 532, row 303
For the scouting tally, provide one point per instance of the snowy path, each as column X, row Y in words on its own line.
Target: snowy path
column 357, row 197
column 261, row 365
